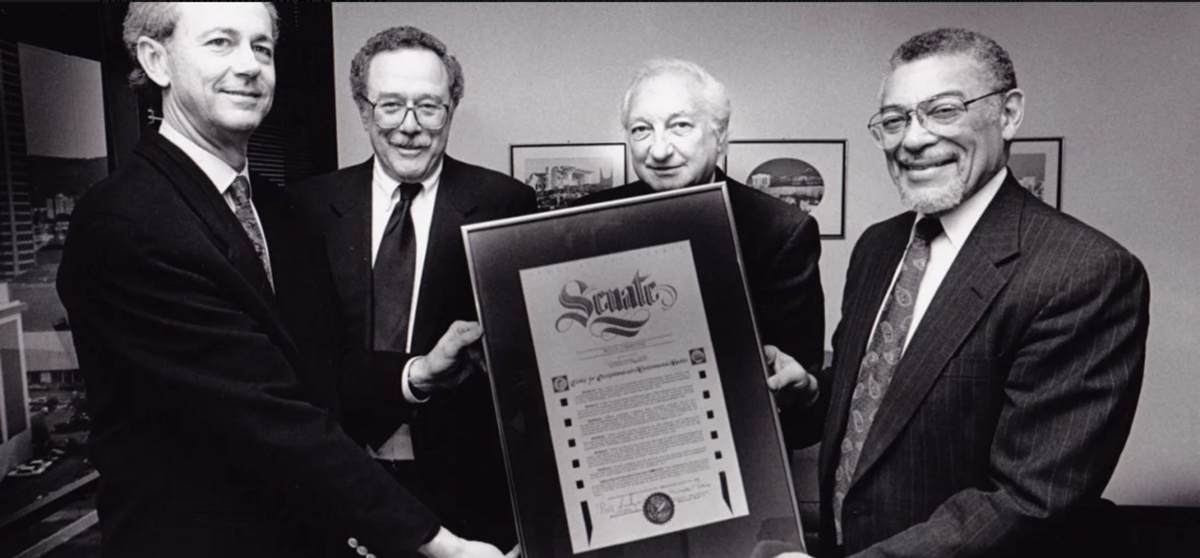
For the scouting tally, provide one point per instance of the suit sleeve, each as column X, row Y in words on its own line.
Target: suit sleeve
column 793, row 319
column 793, row 311
column 524, row 203
column 1069, row 403
column 200, row 366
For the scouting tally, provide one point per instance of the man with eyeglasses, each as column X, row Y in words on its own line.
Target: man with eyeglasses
column 991, row 349
column 676, row 120
column 391, row 229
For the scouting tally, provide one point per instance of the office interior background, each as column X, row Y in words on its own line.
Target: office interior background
column 1117, row 82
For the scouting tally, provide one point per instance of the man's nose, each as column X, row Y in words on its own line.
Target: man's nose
column 916, row 136
column 409, row 124
column 661, row 147
column 246, row 62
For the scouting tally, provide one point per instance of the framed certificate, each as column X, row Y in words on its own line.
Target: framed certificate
column 629, row 381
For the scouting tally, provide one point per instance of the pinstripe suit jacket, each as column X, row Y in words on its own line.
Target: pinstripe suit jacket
column 1012, row 403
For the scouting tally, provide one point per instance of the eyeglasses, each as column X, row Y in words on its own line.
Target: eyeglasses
column 938, row 115
column 391, row 114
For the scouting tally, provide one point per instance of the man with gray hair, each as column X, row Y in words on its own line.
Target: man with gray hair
column 194, row 306
column 676, row 120
column 991, row 349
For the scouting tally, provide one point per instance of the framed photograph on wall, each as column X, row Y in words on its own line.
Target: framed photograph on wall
column 810, row 174
column 1037, row 165
column 563, row 172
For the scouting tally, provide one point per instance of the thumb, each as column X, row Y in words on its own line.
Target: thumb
column 462, row 334
column 774, row 382
column 770, row 353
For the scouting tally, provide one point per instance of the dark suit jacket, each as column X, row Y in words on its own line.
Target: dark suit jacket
column 213, row 434
column 455, row 437
column 1011, row 405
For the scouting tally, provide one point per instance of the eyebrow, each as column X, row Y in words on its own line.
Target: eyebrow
column 948, row 93
column 259, row 37
column 634, row 118
column 416, row 98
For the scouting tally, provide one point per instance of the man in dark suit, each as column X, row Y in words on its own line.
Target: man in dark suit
column 991, row 349
column 391, row 225
column 214, row 434
column 676, row 120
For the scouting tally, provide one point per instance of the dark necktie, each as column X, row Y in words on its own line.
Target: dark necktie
column 392, row 276
column 881, row 358
column 239, row 193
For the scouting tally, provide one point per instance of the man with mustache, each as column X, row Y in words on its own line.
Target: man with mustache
column 192, row 302
column 991, row 349
column 676, row 120
column 391, row 228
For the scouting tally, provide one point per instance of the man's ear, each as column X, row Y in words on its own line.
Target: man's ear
column 152, row 55
column 1012, row 112
column 366, row 113
column 722, row 140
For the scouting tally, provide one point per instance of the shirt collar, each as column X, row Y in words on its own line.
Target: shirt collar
column 219, row 172
column 388, row 185
column 960, row 221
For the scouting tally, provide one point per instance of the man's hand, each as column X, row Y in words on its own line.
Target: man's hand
column 447, row 365
column 789, row 381
column 448, row 545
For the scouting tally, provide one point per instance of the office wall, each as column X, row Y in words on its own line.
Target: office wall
column 1119, row 81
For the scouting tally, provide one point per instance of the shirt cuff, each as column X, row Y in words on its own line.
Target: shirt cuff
column 411, row 394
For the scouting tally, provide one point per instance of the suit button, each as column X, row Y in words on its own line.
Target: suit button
column 362, row 551
column 369, row 556
column 353, row 542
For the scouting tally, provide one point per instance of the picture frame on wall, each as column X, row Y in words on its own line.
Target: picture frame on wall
column 1037, row 164
column 807, row 173
column 562, row 172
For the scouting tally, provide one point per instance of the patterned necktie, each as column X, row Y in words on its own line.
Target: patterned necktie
column 239, row 192
column 392, row 276
column 882, row 356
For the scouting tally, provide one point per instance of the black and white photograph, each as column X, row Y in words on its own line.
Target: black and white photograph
column 563, row 173
column 269, row 274
column 809, row 174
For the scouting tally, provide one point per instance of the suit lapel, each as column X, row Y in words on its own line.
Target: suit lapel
column 349, row 246
column 981, row 269
column 451, row 209
column 219, row 224
column 879, row 266
column 201, row 195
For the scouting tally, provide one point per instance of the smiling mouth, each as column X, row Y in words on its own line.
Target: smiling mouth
column 924, row 165
column 244, row 94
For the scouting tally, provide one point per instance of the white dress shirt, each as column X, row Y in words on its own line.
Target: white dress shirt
column 220, row 173
column 385, row 195
column 956, row 227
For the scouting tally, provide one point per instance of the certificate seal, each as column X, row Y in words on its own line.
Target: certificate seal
column 659, row 508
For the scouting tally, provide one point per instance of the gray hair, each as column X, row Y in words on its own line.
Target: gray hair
column 157, row 20
column 713, row 93
column 996, row 63
column 397, row 38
